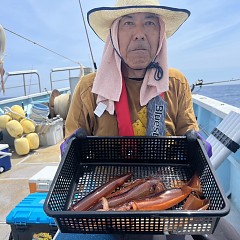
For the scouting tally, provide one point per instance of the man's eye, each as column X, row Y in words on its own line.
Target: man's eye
column 148, row 23
column 128, row 23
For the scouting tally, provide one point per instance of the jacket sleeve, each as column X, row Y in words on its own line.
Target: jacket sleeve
column 81, row 108
column 180, row 113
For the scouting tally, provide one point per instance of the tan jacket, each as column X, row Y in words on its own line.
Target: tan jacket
column 180, row 116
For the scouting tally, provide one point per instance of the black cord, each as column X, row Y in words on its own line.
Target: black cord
column 158, row 73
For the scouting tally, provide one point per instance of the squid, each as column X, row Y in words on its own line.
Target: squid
column 167, row 198
column 93, row 197
column 128, row 187
column 195, row 185
column 151, row 186
column 195, row 203
column 146, row 194
column 163, row 201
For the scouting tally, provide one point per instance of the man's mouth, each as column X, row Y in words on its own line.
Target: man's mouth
column 139, row 49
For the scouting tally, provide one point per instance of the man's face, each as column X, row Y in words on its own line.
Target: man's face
column 138, row 38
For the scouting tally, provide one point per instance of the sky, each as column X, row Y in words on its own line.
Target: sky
column 205, row 47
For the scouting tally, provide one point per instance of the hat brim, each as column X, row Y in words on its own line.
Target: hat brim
column 101, row 19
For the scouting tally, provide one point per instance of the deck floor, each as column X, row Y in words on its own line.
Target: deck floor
column 14, row 183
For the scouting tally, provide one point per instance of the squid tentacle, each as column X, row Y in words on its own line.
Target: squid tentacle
column 93, row 197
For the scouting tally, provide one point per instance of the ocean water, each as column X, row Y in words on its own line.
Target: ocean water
column 229, row 93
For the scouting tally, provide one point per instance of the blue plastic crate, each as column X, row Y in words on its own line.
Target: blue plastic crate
column 28, row 219
column 5, row 161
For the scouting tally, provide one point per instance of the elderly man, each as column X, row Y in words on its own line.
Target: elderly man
column 133, row 92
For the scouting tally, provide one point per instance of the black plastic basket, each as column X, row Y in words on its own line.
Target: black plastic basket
column 92, row 161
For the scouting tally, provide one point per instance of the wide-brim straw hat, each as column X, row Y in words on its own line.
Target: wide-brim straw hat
column 100, row 19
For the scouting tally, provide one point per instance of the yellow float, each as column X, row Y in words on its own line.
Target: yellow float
column 28, row 125
column 17, row 112
column 4, row 119
column 33, row 140
column 14, row 128
column 21, row 146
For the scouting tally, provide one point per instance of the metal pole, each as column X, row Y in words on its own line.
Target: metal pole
column 51, row 81
column 24, row 85
column 39, row 83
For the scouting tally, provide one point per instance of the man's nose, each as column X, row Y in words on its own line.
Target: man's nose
column 139, row 33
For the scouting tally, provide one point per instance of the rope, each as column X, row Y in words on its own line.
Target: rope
column 29, row 40
column 7, row 110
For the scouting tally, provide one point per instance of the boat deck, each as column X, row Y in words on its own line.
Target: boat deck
column 14, row 183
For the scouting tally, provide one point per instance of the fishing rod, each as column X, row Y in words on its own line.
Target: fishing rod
column 94, row 63
column 200, row 83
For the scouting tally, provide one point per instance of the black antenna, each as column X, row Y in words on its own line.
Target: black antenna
column 94, row 63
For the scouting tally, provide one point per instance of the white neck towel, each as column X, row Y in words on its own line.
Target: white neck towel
column 108, row 82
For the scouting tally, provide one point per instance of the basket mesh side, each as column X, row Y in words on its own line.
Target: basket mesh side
column 91, row 162
column 65, row 180
column 133, row 150
column 209, row 184
column 139, row 224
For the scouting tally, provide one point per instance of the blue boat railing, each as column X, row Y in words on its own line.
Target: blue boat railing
column 209, row 114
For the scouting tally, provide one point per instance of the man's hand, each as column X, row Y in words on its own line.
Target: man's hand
column 79, row 133
column 193, row 135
